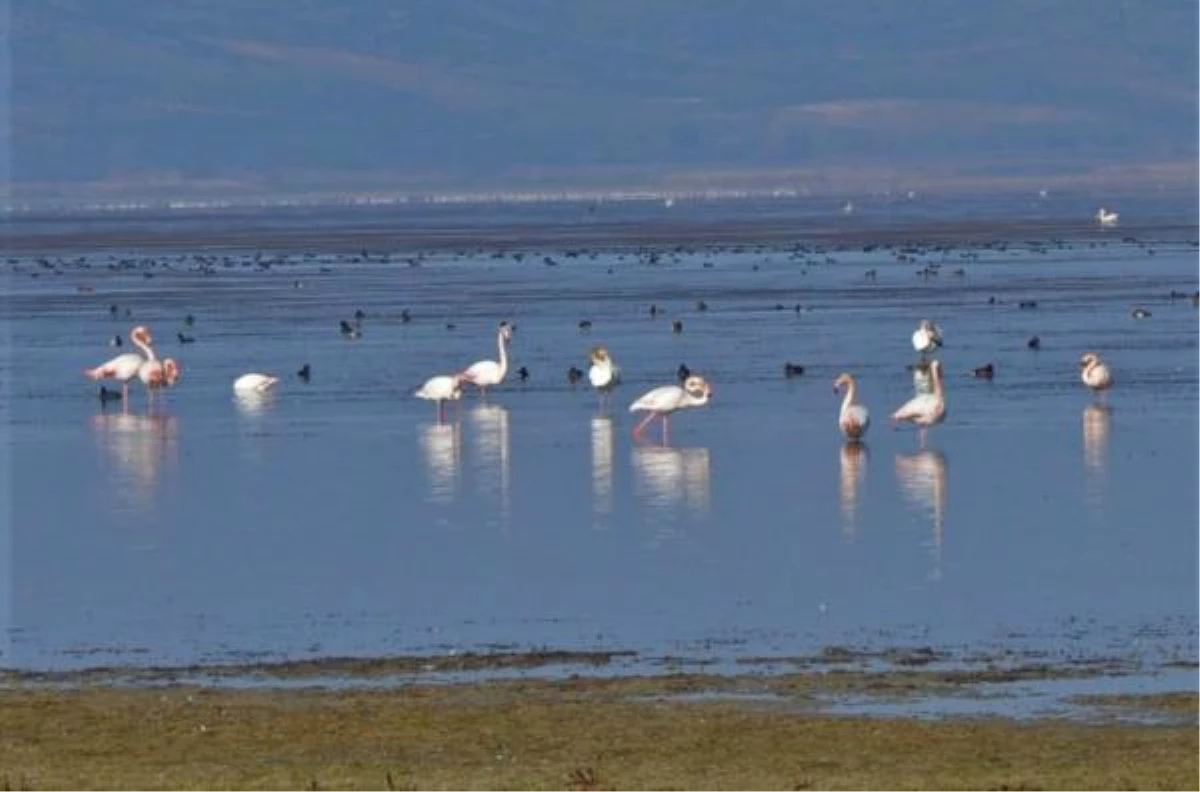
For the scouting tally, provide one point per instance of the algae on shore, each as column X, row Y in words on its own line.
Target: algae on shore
column 546, row 734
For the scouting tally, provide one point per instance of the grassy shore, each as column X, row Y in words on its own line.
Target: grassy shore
column 581, row 733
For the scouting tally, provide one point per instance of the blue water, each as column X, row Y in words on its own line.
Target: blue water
column 337, row 517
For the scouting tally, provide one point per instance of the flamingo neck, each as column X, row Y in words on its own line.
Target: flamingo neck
column 503, row 353
column 848, row 399
column 146, row 349
column 936, row 375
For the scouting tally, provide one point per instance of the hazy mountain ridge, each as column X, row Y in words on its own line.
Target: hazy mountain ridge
column 481, row 92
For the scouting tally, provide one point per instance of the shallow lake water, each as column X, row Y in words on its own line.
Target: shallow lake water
column 338, row 517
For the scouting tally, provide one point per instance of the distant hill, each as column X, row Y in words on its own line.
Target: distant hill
column 162, row 96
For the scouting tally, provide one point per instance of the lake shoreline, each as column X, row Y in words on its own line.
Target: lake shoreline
column 673, row 731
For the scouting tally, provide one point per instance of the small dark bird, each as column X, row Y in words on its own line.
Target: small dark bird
column 1140, row 313
column 405, row 316
column 701, row 305
column 189, row 320
column 359, row 315
column 1027, row 305
column 984, row 372
column 677, row 326
column 112, row 311
column 870, row 274
column 184, row 339
column 991, row 300
column 1195, row 299
column 349, row 330
column 574, row 375
column 107, row 395
column 653, row 310
column 683, row 372
column 585, row 324
column 450, row 325
column 116, row 341
column 305, row 373
column 523, row 374
column 1034, row 343
column 792, row 370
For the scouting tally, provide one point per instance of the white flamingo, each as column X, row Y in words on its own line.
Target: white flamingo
column 156, row 374
column 663, row 401
column 440, row 389
column 603, row 373
column 487, row 373
column 254, row 383
column 1105, row 217
column 1095, row 373
column 853, row 418
column 125, row 367
column 925, row 409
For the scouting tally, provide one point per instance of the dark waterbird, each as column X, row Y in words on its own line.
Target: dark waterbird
column 107, row 395
column 984, row 372
column 523, row 374
column 1034, row 343
column 1140, row 313
column 574, row 374
column 677, row 326
column 405, row 316
column 791, row 369
column 350, row 330
column 305, row 373
column 683, row 372
column 189, row 320
column 1027, row 305
column 116, row 341
column 585, row 324
column 185, row 339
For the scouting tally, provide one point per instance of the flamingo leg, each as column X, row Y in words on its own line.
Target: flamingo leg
column 125, row 392
column 637, row 430
column 921, row 436
column 441, row 411
column 666, row 422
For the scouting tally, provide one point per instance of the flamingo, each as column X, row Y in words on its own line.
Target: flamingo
column 1095, row 373
column 664, row 400
column 1105, row 217
column 925, row 409
column 486, row 373
column 442, row 388
column 254, row 383
column 156, row 374
column 854, row 418
column 124, row 367
column 603, row 373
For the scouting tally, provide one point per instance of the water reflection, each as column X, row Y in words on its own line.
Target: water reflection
column 670, row 477
column 140, row 447
column 854, row 456
column 1096, row 422
column 253, row 403
column 922, row 478
column 602, row 465
column 491, row 433
column 441, row 445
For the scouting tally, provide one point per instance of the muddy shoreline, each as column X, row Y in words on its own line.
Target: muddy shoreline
column 351, row 237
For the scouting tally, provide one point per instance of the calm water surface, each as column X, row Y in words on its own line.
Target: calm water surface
column 337, row 517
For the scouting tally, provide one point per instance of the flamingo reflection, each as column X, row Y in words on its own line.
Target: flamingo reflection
column 602, row 465
column 854, row 456
column 441, row 444
column 140, row 445
column 668, row 477
column 922, row 478
column 1096, row 423
column 253, row 403
column 492, row 446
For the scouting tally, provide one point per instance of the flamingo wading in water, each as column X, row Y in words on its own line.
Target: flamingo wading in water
column 853, row 418
column 1095, row 373
column 254, row 383
column 603, row 374
column 663, row 401
column 125, row 367
column 440, row 389
column 925, row 409
column 487, row 373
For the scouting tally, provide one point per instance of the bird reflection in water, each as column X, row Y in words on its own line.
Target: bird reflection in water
column 440, row 443
column 253, row 403
column 491, row 433
column 141, row 446
column 1096, row 423
column 854, row 456
column 669, row 477
column 922, row 478
column 602, row 465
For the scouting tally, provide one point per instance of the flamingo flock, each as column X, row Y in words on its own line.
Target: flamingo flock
column 926, row 408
